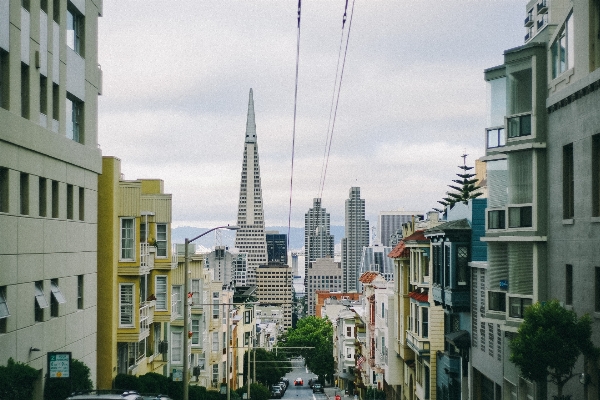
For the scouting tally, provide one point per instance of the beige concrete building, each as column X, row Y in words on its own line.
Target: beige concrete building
column 274, row 286
column 49, row 166
column 323, row 274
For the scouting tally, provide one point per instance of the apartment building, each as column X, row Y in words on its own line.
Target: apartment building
column 318, row 241
column 49, row 167
column 139, row 295
column 274, row 287
column 356, row 237
column 324, row 274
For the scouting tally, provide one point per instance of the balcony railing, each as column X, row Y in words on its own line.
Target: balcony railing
column 416, row 343
column 519, row 125
column 529, row 20
column 146, row 314
column 542, row 7
column 175, row 305
column 174, row 258
column 144, row 256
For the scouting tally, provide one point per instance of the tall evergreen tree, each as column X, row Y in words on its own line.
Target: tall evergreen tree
column 465, row 188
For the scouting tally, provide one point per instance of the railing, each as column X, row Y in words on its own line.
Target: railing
column 144, row 255
column 174, row 305
column 529, row 20
column 542, row 7
column 416, row 343
column 174, row 258
column 145, row 316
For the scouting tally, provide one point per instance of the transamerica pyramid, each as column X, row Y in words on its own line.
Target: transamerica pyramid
column 250, row 238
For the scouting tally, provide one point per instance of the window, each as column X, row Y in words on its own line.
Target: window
column 25, row 4
column 127, row 239
column 81, row 204
column 518, row 306
column 24, row 193
column 215, row 374
column 4, row 313
column 562, row 50
column 3, row 189
column 80, row 292
column 595, row 175
column 569, row 285
column 196, row 292
column 24, row 90
column 382, row 310
column 69, row 201
column 568, row 182
column 520, row 217
column 126, row 305
column 161, row 240
column 247, row 317
column 143, row 237
column 56, row 298
column 246, row 338
column 40, row 301
column 195, row 331
column 495, row 138
column 462, row 264
column 75, row 29
column 55, row 198
column 55, row 106
column 161, row 292
column 44, row 6
column 496, row 219
column 176, row 347
column 425, row 322
column 349, row 331
column 176, row 302
column 215, row 341
column 74, row 118
column 42, row 195
column 519, row 126
column 497, row 301
column 4, row 80
column 56, row 11
column 215, row 307
column 597, row 289
column 43, row 98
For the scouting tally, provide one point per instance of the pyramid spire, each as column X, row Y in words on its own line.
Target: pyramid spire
column 250, row 124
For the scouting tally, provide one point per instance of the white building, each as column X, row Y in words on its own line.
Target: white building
column 49, row 165
column 356, row 237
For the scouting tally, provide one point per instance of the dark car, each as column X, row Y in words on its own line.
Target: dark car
column 318, row 388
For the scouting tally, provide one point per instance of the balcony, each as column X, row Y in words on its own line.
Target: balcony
column 175, row 307
column 542, row 7
column 417, row 344
column 146, row 317
column 519, row 125
column 540, row 24
column 529, row 21
column 527, row 36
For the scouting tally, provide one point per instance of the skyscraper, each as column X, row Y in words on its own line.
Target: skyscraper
column 357, row 237
column 250, row 238
column 318, row 242
column 391, row 221
column 277, row 246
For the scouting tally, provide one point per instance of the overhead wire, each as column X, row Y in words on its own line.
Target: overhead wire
column 294, row 124
column 337, row 99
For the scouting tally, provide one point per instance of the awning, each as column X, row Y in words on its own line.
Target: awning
column 346, row 375
column 460, row 339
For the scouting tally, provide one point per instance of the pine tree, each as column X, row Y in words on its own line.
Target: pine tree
column 467, row 189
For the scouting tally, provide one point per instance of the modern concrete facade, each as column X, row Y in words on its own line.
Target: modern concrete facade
column 318, row 242
column 323, row 274
column 356, row 237
column 49, row 167
column 138, row 295
column 221, row 261
column 389, row 222
column 250, row 237
column 274, row 287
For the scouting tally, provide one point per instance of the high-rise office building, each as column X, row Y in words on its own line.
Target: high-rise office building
column 374, row 258
column 277, row 246
column 323, row 274
column 49, row 168
column 250, row 237
column 274, row 287
column 357, row 237
column 221, row 261
column 389, row 222
column 318, row 242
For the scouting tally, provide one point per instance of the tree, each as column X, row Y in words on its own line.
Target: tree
column 16, row 380
column 313, row 340
column 271, row 366
column 257, row 392
column 548, row 343
column 59, row 388
column 467, row 189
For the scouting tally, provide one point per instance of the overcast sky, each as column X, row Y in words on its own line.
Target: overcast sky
column 175, row 96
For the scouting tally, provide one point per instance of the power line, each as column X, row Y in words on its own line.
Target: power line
column 294, row 126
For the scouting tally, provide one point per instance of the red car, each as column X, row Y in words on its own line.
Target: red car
column 298, row 382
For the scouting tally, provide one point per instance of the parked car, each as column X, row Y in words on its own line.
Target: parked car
column 312, row 381
column 298, row 382
column 276, row 393
column 106, row 395
column 156, row 397
column 318, row 388
column 286, row 381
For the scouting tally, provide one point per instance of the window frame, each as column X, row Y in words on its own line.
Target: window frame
column 568, row 181
column 177, row 347
column 126, row 306
column 161, row 296
column 74, row 121
column 40, row 302
column 500, row 303
column 56, row 298
column 75, row 22
column 4, row 310
column 162, row 243
column 126, row 240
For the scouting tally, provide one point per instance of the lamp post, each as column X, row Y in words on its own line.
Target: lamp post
column 186, row 308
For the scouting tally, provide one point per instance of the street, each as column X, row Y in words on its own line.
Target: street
column 304, row 392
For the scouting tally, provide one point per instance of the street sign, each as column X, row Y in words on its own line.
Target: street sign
column 177, row 374
column 59, row 365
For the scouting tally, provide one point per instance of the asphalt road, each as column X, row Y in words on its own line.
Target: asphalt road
column 301, row 392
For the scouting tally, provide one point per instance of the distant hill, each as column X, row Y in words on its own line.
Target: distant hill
column 178, row 235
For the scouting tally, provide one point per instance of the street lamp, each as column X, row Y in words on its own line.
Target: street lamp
column 186, row 307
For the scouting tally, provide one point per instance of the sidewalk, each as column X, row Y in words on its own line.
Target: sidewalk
column 331, row 391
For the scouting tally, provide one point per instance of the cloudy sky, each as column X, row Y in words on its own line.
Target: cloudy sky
column 177, row 76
